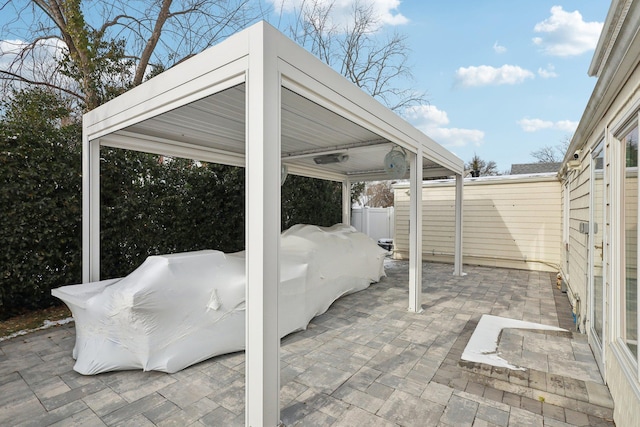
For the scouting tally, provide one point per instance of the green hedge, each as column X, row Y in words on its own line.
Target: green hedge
column 149, row 205
column 40, row 202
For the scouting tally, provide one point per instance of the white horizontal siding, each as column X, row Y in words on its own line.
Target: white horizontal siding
column 579, row 199
column 506, row 223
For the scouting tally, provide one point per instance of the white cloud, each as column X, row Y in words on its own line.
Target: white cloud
column 9, row 50
column 534, row 125
column 566, row 34
column 566, row 125
column 427, row 115
column 432, row 122
column 49, row 47
column 547, row 73
column 499, row 48
column 456, row 137
column 485, row 75
column 385, row 11
column 9, row 46
column 38, row 63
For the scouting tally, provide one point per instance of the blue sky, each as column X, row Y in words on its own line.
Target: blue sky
column 503, row 78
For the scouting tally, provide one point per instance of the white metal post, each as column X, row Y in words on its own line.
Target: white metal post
column 86, row 209
column 457, row 261
column 346, row 201
column 415, row 233
column 90, row 210
column 262, row 363
column 366, row 216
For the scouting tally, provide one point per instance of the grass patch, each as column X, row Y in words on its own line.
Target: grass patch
column 33, row 319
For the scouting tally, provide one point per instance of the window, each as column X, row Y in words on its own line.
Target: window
column 630, row 293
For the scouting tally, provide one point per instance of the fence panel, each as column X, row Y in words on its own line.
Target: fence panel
column 377, row 223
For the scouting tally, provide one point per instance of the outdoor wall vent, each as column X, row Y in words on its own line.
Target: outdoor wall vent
column 331, row 158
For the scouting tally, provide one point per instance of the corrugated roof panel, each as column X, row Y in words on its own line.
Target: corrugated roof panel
column 218, row 122
column 307, row 125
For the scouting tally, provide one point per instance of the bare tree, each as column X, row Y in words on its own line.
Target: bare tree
column 99, row 54
column 546, row 154
column 551, row 154
column 380, row 194
column 359, row 49
column 479, row 167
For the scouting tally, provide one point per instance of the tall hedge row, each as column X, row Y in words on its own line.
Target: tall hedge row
column 40, row 202
column 149, row 204
column 153, row 205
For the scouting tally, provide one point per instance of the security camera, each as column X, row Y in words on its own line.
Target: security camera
column 576, row 155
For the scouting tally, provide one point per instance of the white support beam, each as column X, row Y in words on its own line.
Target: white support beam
column 380, row 175
column 262, row 357
column 457, row 258
column 314, row 172
column 352, row 148
column 90, row 209
column 166, row 147
column 94, row 195
column 415, row 233
column 86, row 208
column 346, row 201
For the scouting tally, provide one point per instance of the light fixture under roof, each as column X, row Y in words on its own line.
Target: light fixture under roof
column 331, row 158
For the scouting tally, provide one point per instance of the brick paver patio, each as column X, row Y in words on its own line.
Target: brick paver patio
column 366, row 362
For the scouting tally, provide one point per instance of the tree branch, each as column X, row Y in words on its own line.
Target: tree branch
column 8, row 75
column 111, row 23
column 152, row 42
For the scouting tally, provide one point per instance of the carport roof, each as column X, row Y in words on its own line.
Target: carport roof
column 198, row 109
column 259, row 100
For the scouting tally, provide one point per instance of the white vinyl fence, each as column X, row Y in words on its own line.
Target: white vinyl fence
column 377, row 223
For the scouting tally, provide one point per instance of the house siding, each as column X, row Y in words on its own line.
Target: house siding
column 625, row 395
column 624, row 389
column 576, row 275
column 614, row 105
column 507, row 222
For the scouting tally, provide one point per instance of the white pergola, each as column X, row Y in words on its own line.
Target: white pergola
column 260, row 101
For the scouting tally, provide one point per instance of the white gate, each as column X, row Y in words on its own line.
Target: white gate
column 377, row 223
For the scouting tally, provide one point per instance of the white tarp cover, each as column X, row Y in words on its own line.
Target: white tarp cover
column 177, row 310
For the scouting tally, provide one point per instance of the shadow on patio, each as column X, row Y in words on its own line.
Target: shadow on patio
column 367, row 361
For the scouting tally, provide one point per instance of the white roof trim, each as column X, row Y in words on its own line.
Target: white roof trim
column 225, row 65
column 612, row 66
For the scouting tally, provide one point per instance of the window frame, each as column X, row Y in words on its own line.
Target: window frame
column 630, row 363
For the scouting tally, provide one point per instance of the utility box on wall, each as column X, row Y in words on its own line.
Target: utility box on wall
column 583, row 227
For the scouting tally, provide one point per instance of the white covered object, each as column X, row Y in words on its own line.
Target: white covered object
column 177, row 310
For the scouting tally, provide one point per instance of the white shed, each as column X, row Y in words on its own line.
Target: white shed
column 260, row 101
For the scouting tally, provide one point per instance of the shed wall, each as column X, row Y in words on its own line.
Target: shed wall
column 514, row 223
